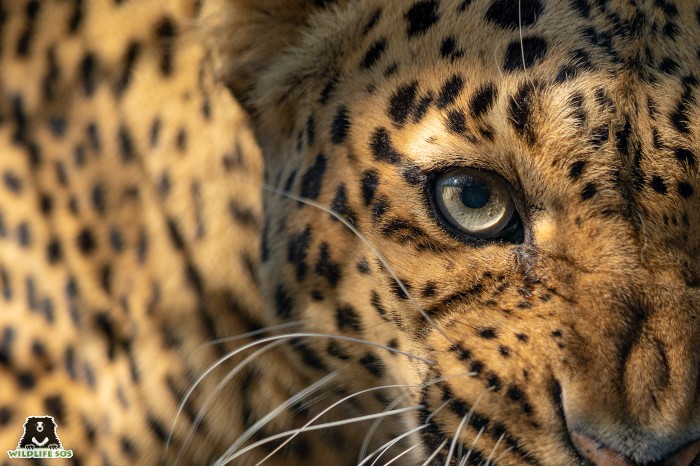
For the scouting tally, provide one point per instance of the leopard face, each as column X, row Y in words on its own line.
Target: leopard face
column 501, row 199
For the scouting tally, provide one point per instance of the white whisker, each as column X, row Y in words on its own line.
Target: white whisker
column 455, row 438
column 369, row 245
column 488, row 461
column 245, row 436
column 238, row 337
column 435, row 453
column 308, row 428
column 427, row 420
column 379, row 452
column 207, row 402
column 268, row 339
column 471, row 449
column 403, row 453
column 375, row 425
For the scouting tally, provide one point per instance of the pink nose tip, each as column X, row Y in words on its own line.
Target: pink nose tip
column 599, row 454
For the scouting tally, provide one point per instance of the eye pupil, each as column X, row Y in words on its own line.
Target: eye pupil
column 475, row 194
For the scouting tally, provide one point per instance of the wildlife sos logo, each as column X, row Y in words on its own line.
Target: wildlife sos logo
column 40, row 441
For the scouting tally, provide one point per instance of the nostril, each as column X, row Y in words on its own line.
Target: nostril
column 596, row 452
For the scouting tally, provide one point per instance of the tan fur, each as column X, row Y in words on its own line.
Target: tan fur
column 599, row 301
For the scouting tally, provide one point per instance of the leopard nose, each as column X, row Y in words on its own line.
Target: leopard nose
column 599, row 454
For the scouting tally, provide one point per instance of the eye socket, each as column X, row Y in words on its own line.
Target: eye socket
column 478, row 204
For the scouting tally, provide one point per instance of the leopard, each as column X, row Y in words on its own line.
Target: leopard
column 352, row 231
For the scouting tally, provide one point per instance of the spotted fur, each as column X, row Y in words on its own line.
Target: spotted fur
column 176, row 173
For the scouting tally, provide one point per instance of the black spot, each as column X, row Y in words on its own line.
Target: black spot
column 116, row 239
column 6, row 414
column 589, row 191
column 576, row 101
column 522, row 337
column 311, row 129
column 341, row 125
column 296, row 254
column 372, row 21
column 166, row 31
column 26, row 380
column 58, row 126
column 514, row 15
column 175, row 234
column 129, row 60
column 373, row 364
column 373, row 54
column 88, row 72
column 382, row 148
column 421, row 17
column 521, row 110
column 341, row 207
column 312, row 180
column 684, row 155
column 449, row 49
column 283, row 303
column 488, row 333
column 379, row 209
column 181, row 140
column 97, row 195
column 25, row 39
column 370, row 182
column 398, row 290
column 376, row 302
column 685, row 189
column 126, row 145
column 154, row 133
column 449, row 91
column 157, row 428
column 669, row 66
column 325, row 267
column 347, row 318
column 93, row 134
column 456, row 121
column 328, row 90
column 576, row 169
column 402, row 103
column 476, row 367
column 533, row 49
column 335, row 350
column 413, row 174
column 127, row 446
column 422, row 108
column 12, row 181
column 464, row 5
column 679, row 117
column 77, row 17
column 429, row 290
column 483, row 99
column 86, row 241
column 581, row 7
column 657, row 183
column 53, row 251
column 504, row 351
column 363, row 267
column 54, row 406
column 493, row 382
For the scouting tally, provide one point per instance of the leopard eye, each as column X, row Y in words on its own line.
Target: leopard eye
column 478, row 204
